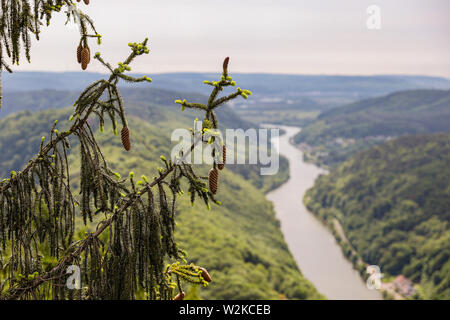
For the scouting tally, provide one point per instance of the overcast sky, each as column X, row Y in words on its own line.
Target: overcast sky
column 279, row 36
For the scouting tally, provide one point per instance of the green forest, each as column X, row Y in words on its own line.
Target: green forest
column 341, row 132
column 393, row 202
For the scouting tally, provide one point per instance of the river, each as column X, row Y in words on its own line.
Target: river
column 314, row 248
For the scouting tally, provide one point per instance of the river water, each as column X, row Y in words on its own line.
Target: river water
column 314, row 248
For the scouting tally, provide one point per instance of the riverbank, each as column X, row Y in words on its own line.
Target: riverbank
column 313, row 246
column 387, row 289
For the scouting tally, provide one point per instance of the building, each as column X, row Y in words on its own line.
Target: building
column 404, row 286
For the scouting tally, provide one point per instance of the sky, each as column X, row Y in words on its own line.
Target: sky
column 260, row 36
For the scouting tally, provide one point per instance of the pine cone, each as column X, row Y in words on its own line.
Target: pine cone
column 224, row 158
column 85, row 57
column 225, row 65
column 213, row 180
column 125, row 135
column 205, row 275
column 180, row 296
column 79, row 49
column 86, row 1
column 89, row 55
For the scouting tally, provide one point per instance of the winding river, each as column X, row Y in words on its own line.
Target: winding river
column 314, row 248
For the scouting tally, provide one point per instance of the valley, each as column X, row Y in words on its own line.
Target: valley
column 385, row 206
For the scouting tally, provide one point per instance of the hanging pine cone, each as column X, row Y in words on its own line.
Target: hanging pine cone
column 205, row 275
column 213, row 180
column 89, row 53
column 225, row 64
column 85, row 57
column 180, row 296
column 79, row 49
column 224, row 158
column 125, row 135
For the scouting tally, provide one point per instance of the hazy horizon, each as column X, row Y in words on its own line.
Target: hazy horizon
column 247, row 73
column 282, row 37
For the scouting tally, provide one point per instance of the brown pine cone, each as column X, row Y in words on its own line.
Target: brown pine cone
column 86, row 1
column 79, row 49
column 180, row 296
column 85, row 57
column 213, row 180
column 205, row 274
column 89, row 55
column 225, row 64
column 224, row 158
column 125, row 135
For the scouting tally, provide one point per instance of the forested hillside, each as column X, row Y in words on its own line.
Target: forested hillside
column 239, row 242
column 150, row 104
column 393, row 202
column 145, row 101
column 343, row 131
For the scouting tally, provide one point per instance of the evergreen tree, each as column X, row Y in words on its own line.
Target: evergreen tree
column 132, row 252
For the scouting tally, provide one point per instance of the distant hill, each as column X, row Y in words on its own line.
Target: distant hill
column 393, row 202
column 345, row 130
column 295, row 85
column 277, row 98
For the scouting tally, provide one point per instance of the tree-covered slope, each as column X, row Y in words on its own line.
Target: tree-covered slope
column 393, row 202
column 149, row 104
column 345, row 130
column 240, row 242
column 141, row 101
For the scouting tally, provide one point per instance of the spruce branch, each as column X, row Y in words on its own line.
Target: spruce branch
column 20, row 22
column 140, row 229
column 78, row 248
column 213, row 100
